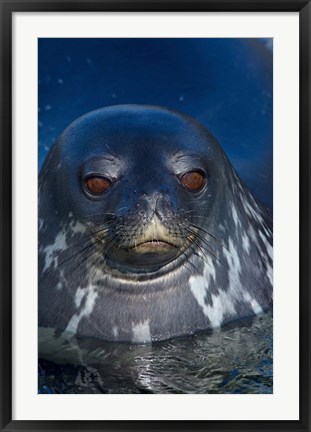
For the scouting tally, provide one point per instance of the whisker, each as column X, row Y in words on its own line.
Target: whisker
column 189, row 262
column 86, row 249
column 132, row 227
column 206, row 232
column 204, row 241
column 89, row 244
column 91, row 234
column 83, row 260
column 111, row 242
column 197, row 245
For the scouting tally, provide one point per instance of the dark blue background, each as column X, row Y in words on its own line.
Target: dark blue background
column 226, row 84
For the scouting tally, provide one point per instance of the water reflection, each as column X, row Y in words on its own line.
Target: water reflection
column 233, row 360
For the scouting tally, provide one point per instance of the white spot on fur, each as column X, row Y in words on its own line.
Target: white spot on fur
column 267, row 231
column 199, row 285
column 269, row 271
column 245, row 243
column 254, row 304
column 86, row 311
column 141, row 332
column 270, row 274
column 59, row 244
column 115, row 331
column 77, row 227
column 234, row 264
column 267, row 244
column 222, row 304
column 40, row 224
column 253, row 236
column 79, row 296
column 59, row 286
column 252, row 209
column 235, row 216
column 269, row 251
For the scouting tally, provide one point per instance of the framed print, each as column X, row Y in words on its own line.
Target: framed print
column 155, row 227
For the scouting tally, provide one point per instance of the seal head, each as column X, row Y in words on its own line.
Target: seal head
column 145, row 230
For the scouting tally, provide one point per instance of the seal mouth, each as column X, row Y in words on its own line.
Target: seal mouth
column 155, row 239
column 153, row 246
column 145, row 256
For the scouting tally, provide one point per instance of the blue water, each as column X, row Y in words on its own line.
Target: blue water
column 226, row 84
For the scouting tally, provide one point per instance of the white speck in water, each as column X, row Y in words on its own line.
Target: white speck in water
column 181, row 98
column 60, row 81
column 47, row 107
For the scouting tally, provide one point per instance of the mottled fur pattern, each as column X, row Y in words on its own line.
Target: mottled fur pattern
column 224, row 273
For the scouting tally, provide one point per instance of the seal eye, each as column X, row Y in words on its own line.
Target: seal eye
column 97, row 185
column 193, row 180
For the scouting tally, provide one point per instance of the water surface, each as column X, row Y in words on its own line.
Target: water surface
column 232, row 360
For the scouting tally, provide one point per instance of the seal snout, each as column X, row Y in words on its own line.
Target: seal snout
column 156, row 238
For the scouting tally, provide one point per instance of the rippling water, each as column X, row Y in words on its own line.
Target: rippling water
column 231, row 360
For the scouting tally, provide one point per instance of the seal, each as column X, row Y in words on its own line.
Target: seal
column 145, row 230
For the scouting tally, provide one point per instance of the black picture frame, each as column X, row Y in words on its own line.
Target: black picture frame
column 8, row 7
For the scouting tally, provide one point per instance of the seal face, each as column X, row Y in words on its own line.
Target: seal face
column 145, row 230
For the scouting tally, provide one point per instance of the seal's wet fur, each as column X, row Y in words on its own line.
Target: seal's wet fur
column 219, row 267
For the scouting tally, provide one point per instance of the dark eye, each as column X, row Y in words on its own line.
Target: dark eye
column 193, row 180
column 97, row 185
